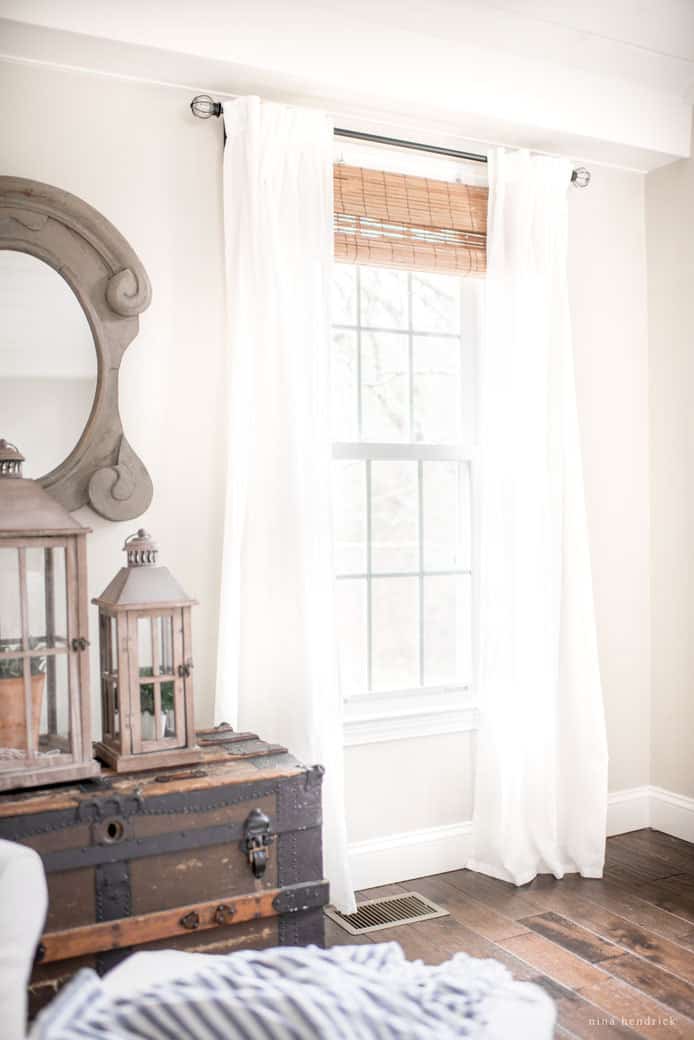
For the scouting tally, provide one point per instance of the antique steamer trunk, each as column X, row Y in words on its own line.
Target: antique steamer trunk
column 215, row 858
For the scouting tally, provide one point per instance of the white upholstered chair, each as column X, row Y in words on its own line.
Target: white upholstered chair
column 23, row 903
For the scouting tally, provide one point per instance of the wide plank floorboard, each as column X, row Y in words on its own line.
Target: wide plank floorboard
column 571, row 936
column 626, row 901
column 615, row 954
column 670, row 852
column 674, row 894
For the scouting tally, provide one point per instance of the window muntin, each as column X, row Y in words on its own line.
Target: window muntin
column 403, row 407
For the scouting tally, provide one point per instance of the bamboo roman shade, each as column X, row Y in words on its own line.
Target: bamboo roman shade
column 397, row 220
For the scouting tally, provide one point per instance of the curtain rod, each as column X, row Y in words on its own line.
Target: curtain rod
column 203, row 106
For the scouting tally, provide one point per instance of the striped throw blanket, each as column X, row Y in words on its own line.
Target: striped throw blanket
column 368, row 992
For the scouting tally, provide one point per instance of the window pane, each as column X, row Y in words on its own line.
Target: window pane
column 435, row 302
column 344, row 386
column 10, row 612
column 349, row 508
column 385, row 392
column 351, row 626
column 446, row 515
column 344, row 299
column 436, row 389
column 447, row 635
column 395, row 628
column 394, row 539
column 383, row 297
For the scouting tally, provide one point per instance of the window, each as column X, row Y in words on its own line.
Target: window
column 403, row 364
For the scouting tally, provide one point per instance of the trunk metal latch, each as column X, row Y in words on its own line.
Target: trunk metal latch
column 257, row 840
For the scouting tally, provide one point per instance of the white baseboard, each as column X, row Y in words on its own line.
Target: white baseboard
column 628, row 810
column 434, row 850
column 651, row 806
column 399, row 857
column 672, row 813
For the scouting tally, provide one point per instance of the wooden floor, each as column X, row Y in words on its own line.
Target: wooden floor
column 617, row 955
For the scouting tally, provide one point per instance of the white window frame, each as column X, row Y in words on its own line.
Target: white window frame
column 374, row 716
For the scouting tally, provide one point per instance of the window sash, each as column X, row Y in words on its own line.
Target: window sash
column 420, row 454
column 464, row 452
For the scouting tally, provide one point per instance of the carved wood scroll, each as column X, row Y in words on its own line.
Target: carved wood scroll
column 108, row 279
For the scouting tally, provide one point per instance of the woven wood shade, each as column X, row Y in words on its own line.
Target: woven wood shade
column 396, row 220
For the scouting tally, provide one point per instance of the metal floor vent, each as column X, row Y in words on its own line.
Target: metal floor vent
column 387, row 912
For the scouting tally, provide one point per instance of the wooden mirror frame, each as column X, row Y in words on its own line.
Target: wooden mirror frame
column 112, row 286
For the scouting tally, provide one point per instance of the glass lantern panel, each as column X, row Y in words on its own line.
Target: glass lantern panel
column 38, row 592
column 10, row 608
column 104, row 647
column 51, row 683
column 106, row 720
column 147, row 719
column 144, row 646
column 116, row 709
column 46, row 597
column 109, row 707
column 168, row 708
column 113, row 646
column 166, row 655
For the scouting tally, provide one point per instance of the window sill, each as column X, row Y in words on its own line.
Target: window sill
column 404, row 716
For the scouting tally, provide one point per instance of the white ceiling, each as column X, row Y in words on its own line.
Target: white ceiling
column 607, row 79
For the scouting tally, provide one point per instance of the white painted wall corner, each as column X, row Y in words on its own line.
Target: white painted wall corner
column 651, row 806
column 628, row 810
column 672, row 813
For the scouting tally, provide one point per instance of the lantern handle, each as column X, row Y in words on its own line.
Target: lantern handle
column 140, row 533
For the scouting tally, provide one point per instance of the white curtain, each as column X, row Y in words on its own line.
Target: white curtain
column 541, row 774
column 277, row 668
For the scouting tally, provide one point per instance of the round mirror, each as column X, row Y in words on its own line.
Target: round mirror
column 48, row 362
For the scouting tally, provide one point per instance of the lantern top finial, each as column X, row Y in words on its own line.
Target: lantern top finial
column 11, row 459
column 141, row 549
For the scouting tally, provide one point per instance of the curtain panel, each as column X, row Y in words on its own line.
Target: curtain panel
column 278, row 665
column 541, row 773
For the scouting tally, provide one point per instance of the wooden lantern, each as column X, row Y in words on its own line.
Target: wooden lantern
column 45, row 730
column 146, row 665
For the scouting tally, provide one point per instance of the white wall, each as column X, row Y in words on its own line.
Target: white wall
column 670, row 229
column 134, row 152
column 607, row 284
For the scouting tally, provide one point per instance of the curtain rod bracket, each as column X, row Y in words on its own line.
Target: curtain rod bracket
column 580, row 177
column 204, row 107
